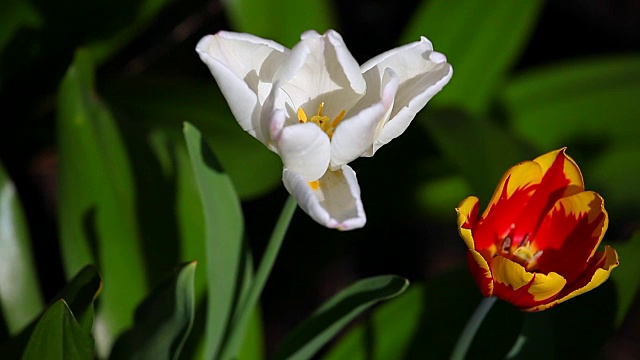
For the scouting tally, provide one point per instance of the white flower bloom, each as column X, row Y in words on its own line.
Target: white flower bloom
column 318, row 109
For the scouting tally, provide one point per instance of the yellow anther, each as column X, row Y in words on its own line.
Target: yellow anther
column 314, row 185
column 302, row 117
column 320, row 107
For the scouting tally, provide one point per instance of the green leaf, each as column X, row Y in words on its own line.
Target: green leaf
column 482, row 41
column 437, row 197
column 97, row 218
column 592, row 100
column 14, row 15
column 167, row 103
column 224, row 238
column 332, row 316
column 20, row 297
column 162, row 322
column 426, row 322
column 253, row 343
column 102, row 49
column 625, row 276
column 79, row 295
column 59, row 336
column 287, row 19
column 480, row 150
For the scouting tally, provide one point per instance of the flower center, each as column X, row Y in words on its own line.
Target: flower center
column 524, row 253
column 324, row 122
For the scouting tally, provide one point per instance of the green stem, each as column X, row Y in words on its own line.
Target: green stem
column 469, row 332
column 240, row 322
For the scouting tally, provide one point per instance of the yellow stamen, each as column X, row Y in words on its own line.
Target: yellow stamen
column 320, row 107
column 338, row 118
column 314, row 185
column 302, row 117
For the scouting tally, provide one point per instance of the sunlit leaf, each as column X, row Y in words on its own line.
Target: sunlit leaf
column 626, row 276
column 59, row 336
column 96, row 203
column 481, row 40
column 162, row 322
column 167, row 103
column 224, row 237
column 20, row 297
column 280, row 20
column 336, row 313
column 592, row 100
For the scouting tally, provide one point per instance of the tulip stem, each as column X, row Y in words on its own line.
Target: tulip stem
column 469, row 332
column 245, row 310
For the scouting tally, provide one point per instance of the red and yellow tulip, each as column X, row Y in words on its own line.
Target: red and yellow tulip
column 535, row 244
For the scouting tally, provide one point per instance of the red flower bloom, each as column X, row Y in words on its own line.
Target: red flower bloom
column 535, row 245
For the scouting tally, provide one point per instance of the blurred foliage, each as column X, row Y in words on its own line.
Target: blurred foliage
column 107, row 86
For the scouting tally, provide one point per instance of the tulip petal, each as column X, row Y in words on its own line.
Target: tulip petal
column 467, row 216
column 521, row 288
column 571, row 233
column 555, row 184
column 422, row 73
column 243, row 66
column 354, row 135
column 596, row 273
column 509, row 199
column 321, row 69
column 304, row 149
column 334, row 201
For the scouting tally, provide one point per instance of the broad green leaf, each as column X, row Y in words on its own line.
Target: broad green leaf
column 308, row 337
column 482, row 41
column 97, row 217
column 280, row 20
column 224, row 237
column 166, row 103
column 480, row 150
column 426, row 322
column 101, row 50
column 625, row 276
column 20, row 297
column 162, row 322
column 79, row 295
column 592, row 100
column 59, row 336
column 15, row 14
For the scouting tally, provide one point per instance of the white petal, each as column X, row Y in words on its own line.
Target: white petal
column 321, row 69
column 422, row 73
column 355, row 135
column 243, row 66
column 304, row 149
column 335, row 203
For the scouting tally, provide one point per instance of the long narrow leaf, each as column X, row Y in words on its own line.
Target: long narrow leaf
column 331, row 317
column 224, row 238
column 20, row 297
column 96, row 201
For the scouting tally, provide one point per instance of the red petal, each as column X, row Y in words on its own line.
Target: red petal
column 570, row 233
